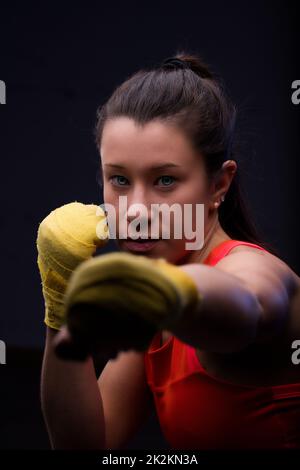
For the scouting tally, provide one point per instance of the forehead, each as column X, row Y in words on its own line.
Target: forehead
column 126, row 141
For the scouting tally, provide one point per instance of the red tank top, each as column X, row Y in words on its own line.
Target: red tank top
column 199, row 411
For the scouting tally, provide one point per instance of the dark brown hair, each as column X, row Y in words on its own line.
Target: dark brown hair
column 192, row 97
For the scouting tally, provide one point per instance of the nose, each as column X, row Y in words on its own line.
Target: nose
column 138, row 213
column 138, row 205
column 139, row 209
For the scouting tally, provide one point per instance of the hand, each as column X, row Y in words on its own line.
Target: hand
column 66, row 237
column 117, row 301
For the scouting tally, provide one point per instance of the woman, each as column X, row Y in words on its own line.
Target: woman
column 205, row 333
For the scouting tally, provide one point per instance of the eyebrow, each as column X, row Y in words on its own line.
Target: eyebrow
column 157, row 167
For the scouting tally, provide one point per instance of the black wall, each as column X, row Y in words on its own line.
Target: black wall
column 60, row 62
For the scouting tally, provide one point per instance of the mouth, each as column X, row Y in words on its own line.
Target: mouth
column 140, row 244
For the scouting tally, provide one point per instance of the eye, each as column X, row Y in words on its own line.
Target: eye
column 167, row 180
column 121, row 180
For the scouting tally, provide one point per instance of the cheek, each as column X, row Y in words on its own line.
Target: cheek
column 191, row 191
column 112, row 206
column 107, row 193
column 192, row 198
column 111, row 198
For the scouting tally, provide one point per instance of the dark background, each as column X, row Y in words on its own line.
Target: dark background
column 59, row 63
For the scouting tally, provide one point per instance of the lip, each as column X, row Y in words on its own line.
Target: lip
column 133, row 245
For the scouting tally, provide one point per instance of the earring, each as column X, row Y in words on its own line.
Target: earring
column 217, row 203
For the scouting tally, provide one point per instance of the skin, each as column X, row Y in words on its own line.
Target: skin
column 128, row 152
column 123, row 144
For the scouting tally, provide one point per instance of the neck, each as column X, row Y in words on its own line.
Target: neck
column 212, row 238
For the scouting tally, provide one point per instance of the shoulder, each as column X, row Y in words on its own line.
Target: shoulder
column 243, row 257
column 268, row 277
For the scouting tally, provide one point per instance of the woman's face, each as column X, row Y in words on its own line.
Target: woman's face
column 154, row 164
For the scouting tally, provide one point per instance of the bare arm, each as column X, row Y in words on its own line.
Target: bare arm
column 71, row 403
column 82, row 412
column 245, row 298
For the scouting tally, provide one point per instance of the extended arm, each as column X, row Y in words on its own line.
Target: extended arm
column 245, row 298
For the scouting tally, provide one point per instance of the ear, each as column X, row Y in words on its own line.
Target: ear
column 221, row 183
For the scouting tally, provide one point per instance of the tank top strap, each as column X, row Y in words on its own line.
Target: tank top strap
column 224, row 248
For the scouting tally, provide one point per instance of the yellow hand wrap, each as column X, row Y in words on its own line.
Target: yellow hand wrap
column 66, row 237
column 107, row 289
